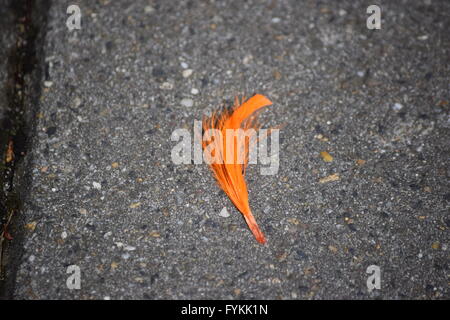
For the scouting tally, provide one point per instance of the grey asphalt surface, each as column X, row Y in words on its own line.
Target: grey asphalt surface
column 103, row 193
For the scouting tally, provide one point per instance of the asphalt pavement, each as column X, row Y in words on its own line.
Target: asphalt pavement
column 364, row 171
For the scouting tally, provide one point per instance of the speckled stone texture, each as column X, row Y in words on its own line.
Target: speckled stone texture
column 105, row 195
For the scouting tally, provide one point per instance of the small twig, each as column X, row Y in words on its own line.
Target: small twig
column 4, row 235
